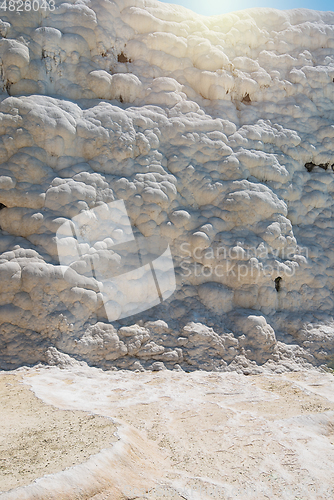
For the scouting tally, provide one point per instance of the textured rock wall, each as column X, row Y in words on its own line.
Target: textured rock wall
column 218, row 135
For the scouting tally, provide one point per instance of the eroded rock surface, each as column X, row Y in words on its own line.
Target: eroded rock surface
column 206, row 128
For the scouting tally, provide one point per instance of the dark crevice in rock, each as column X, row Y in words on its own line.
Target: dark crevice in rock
column 246, row 99
column 2, row 206
column 121, row 58
column 278, row 283
column 310, row 166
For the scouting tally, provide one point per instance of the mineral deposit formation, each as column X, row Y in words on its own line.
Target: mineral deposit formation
column 217, row 136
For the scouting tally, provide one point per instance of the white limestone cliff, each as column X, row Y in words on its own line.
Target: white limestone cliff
column 218, row 135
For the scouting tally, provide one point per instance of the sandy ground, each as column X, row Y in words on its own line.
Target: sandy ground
column 179, row 436
column 38, row 439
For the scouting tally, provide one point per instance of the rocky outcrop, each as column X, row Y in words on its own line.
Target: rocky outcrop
column 203, row 127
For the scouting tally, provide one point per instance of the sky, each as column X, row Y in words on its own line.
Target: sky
column 213, row 7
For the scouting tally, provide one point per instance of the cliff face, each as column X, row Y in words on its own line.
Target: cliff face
column 217, row 133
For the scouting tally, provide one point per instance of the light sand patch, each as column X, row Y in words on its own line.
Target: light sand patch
column 38, row 439
column 227, row 435
column 200, row 436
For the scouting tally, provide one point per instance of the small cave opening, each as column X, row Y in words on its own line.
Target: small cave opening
column 121, row 58
column 278, row 283
column 310, row 166
column 246, row 99
column 2, row 206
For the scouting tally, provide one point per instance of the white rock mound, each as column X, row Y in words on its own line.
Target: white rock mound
column 217, row 133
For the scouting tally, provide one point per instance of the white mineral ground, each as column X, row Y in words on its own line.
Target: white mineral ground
column 166, row 435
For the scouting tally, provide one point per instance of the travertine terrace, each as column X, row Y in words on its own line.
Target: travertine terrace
column 218, row 135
